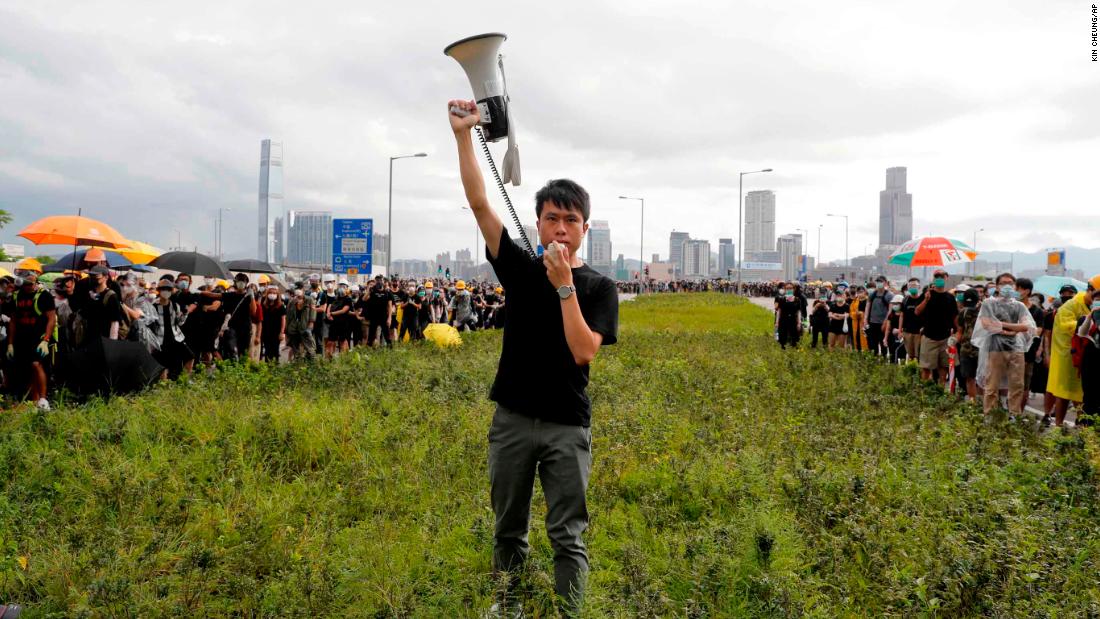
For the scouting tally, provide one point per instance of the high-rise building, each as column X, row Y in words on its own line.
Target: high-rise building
column 759, row 222
column 532, row 235
column 271, row 194
column 309, row 238
column 380, row 247
column 620, row 269
column 727, row 257
column 278, row 244
column 895, row 210
column 696, row 258
column 789, row 247
column 599, row 247
column 676, row 242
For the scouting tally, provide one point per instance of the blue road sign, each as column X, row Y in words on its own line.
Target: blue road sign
column 352, row 245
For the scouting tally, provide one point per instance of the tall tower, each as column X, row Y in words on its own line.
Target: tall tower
column 271, row 194
column 676, row 242
column 599, row 247
column 759, row 222
column 895, row 210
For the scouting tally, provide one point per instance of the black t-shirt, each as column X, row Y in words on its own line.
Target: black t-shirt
column 30, row 324
column 838, row 307
column 237, row 304
column 273, row 317
column 537, row 375
column 789, row 309
column 378, row 304
column 939, row 315
column 100, row 310
column 913, row 322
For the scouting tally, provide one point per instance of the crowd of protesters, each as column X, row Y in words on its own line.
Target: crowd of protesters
column 995, row 344
column 181, row 321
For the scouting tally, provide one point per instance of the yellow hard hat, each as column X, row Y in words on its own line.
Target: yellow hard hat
column 264, row 279
column 499, row 290
column 460, row 285
column 429, row 284
column 223, row 283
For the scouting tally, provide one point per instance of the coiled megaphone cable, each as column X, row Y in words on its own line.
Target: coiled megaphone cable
column 504, row 192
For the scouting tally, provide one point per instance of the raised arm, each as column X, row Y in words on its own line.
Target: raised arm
column 472, row 182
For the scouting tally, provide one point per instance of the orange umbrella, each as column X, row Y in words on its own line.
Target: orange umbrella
column 73, row 230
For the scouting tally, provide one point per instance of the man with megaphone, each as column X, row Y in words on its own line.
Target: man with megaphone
column 559, row 312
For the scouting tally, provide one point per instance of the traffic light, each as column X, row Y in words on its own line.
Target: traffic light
column 647, row 270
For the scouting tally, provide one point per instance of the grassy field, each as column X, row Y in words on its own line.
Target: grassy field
column 729, row 479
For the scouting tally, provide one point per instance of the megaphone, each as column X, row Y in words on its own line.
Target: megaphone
column 481, row 60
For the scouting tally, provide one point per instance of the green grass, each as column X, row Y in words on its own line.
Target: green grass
column 729, row 479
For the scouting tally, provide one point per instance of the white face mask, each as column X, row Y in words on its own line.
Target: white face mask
column 272, row 296
column 165, row 294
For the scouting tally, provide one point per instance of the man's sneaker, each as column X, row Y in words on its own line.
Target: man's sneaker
column 43, row 404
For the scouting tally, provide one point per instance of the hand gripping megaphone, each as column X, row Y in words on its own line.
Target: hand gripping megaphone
column 484, row 66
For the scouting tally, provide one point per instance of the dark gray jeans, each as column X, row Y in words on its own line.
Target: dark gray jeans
column 562, row 455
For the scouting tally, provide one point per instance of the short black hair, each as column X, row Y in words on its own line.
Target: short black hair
column 1008, row 275
column 1025, row 284
column 565, row 194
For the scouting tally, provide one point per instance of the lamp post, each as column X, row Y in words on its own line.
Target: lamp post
column 817, row 258
column 845, row 235
column 740, row 203
column 805, row 243
column 641, row 242
column 973, row 267
column 389, row 212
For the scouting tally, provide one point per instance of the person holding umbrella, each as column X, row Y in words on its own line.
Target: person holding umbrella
column 32, row 338
column 938, row 311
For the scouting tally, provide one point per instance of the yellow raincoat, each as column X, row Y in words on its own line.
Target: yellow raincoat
column 1064, row 381
column 856, row 325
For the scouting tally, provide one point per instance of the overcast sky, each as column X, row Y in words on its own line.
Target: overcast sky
column 149, row 115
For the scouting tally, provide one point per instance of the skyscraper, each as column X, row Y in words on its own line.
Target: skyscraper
column 759, row 222
column 895, row 210
column 789, row 247
column 271, row 194
column 599, row 247
column 279, row 242
column 380, row 247
column 309, row 238
column 676, row 242
column 727, row 257
column 696, row 258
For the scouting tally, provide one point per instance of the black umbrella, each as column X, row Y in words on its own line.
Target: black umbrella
column 192, row 263
column 250, row 265
column 109, row 367
column 75, row 260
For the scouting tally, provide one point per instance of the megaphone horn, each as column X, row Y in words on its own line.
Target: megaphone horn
column 480, row 59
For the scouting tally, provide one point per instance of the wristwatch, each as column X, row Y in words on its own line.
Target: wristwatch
column 565, row 291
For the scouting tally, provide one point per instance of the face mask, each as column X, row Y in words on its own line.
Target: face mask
column 959, row 297
column 871, row 288
column 209, row 281
column 272, row 296
column 165, row 294
column 914, row 291
column 939, row 282
column 1095, row 305
column 328, row 287
column 1007, row 291
column 789, row 293
column 896, row 308
column 184, row 285
column 341, row 292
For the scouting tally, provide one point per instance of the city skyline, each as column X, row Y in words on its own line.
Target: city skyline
column 174, row 101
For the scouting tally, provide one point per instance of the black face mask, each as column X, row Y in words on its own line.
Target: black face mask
column 1066, row 300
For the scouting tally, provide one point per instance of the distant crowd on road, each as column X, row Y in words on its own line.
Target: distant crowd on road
column 1000, row 341
column 180, row 322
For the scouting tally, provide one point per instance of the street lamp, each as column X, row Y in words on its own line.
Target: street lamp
column 740, row 203
column 389, row 212
column 845, row 235
column 641, row 241
column 817, row 258
column 805, row 245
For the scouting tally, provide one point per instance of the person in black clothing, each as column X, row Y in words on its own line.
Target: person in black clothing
column 560, row 312
column 819, row 323
column 379, row 306
column 30, row 344
column 102, row 307
column 838, row 320
column 789, row 317
column 339, row 310
column 235, row 329
column 410, row 319
column 174, row 353
column 911, row 322
column 938, row 310
column 273, row 326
